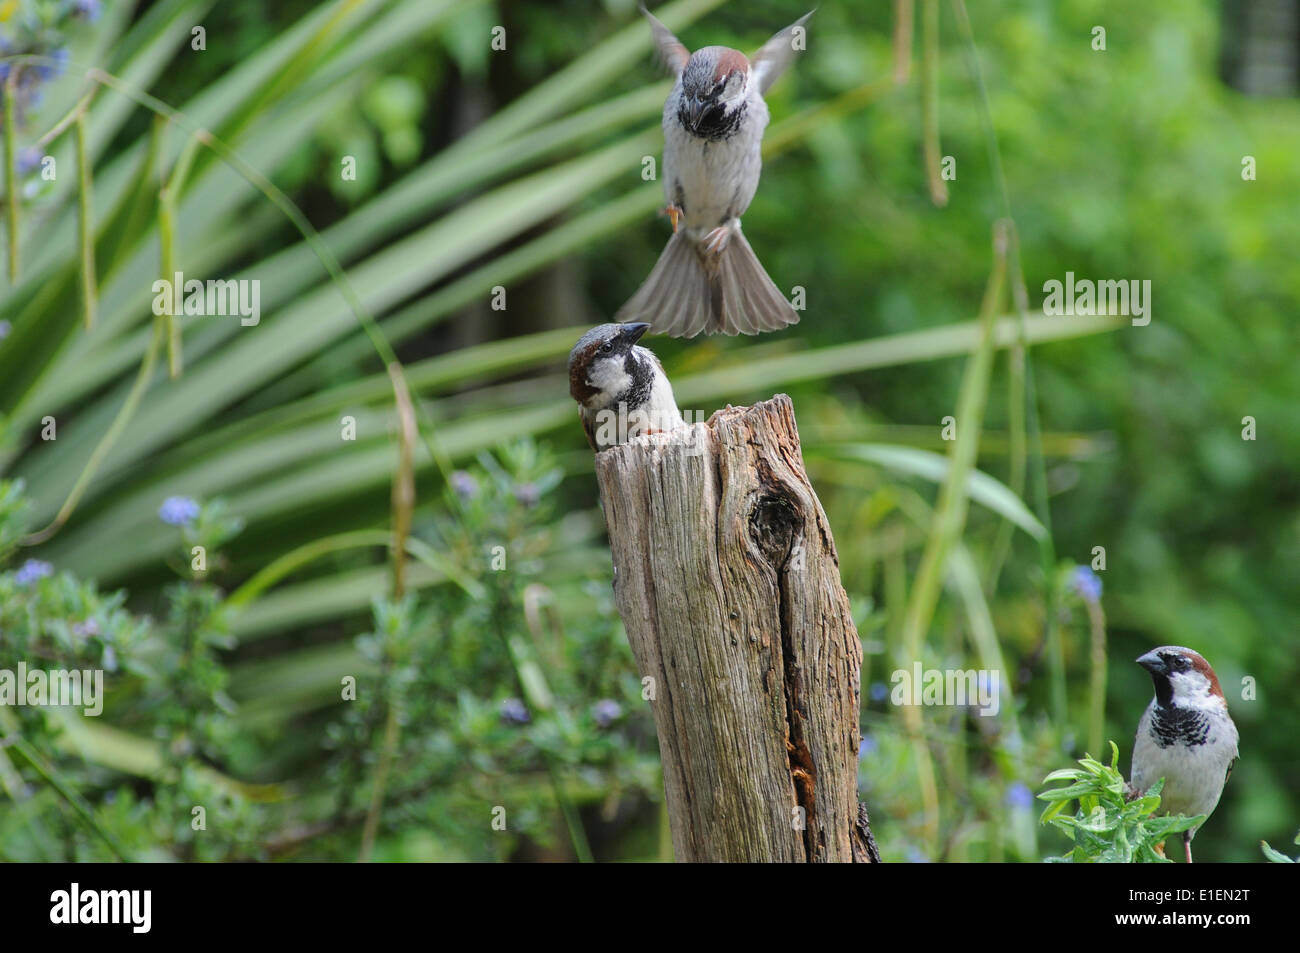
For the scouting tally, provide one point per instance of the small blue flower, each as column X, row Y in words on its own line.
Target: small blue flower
column 879, row 691
column 464, row 484
column 515, row 712
column 528, row 494
column 5, row 328
column 46, row 70
column 1019, row 796
column 32, row 570
column 88, row 10
column 606, row 712
column 178, row 511
column 1086, row 583
column 866, row 746
column 28, row 160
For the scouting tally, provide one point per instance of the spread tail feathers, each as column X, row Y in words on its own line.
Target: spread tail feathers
column 692, row 290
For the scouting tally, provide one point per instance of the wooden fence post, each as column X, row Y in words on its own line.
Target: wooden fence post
column 728, row 583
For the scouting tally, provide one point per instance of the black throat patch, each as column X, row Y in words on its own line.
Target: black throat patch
column 715, row 123
column 1173, row 726
column 638, row 392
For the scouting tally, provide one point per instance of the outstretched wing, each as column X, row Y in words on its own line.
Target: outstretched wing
column 777, row 53
column 671, row 51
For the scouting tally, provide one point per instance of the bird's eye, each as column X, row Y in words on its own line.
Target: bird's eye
column 607, row 347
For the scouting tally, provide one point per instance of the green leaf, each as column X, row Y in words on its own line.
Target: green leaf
column 1276, row 856
column 979, row 486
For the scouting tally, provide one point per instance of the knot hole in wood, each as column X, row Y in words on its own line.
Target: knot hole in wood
column 775, row 524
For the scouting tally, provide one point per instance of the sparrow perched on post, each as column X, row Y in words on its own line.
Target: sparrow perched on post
column 621, row 389
column 1186, row 735
column 708, row 278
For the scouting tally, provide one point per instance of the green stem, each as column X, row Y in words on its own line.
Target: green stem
column 403, row 499
column 358, row 539
column 950, row 511
column 904, row 17
column 371, row 828
column 403, row 502
column 930, row 100
column 85, row 222
column 949, row 521
column 297, row 558
column 1097, row 682
column 65, row 121
column 106, row 442
column 1016, row 463
column 167, row 194
column 12, row 187
column 167, row 268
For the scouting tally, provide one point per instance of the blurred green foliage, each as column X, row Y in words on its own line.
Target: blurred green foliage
column 521, row 168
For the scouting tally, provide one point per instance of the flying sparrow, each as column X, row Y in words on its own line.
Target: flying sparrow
column 1186, row 735
column 708, row 278
column 621, row 389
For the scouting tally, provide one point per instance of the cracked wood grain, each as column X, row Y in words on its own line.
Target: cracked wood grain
column 727, row 580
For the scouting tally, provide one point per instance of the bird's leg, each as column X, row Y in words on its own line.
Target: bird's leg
column 674, row 214
column 1187, row 844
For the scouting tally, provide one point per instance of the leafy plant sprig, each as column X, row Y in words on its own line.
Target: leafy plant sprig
column 1111, row 825
column 1276, row 856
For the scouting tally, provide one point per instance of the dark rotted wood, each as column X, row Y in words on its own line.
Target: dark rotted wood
column 727, row 580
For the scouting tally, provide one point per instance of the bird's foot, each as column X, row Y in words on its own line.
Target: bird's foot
column 1187, row 845
column 715, row 242
column 674, row 214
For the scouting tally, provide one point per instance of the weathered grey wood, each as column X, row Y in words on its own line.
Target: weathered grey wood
column 727, row 580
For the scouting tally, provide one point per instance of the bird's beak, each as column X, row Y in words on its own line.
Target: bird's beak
column 694, row 110
column 1153, row 663
column 632, row 332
